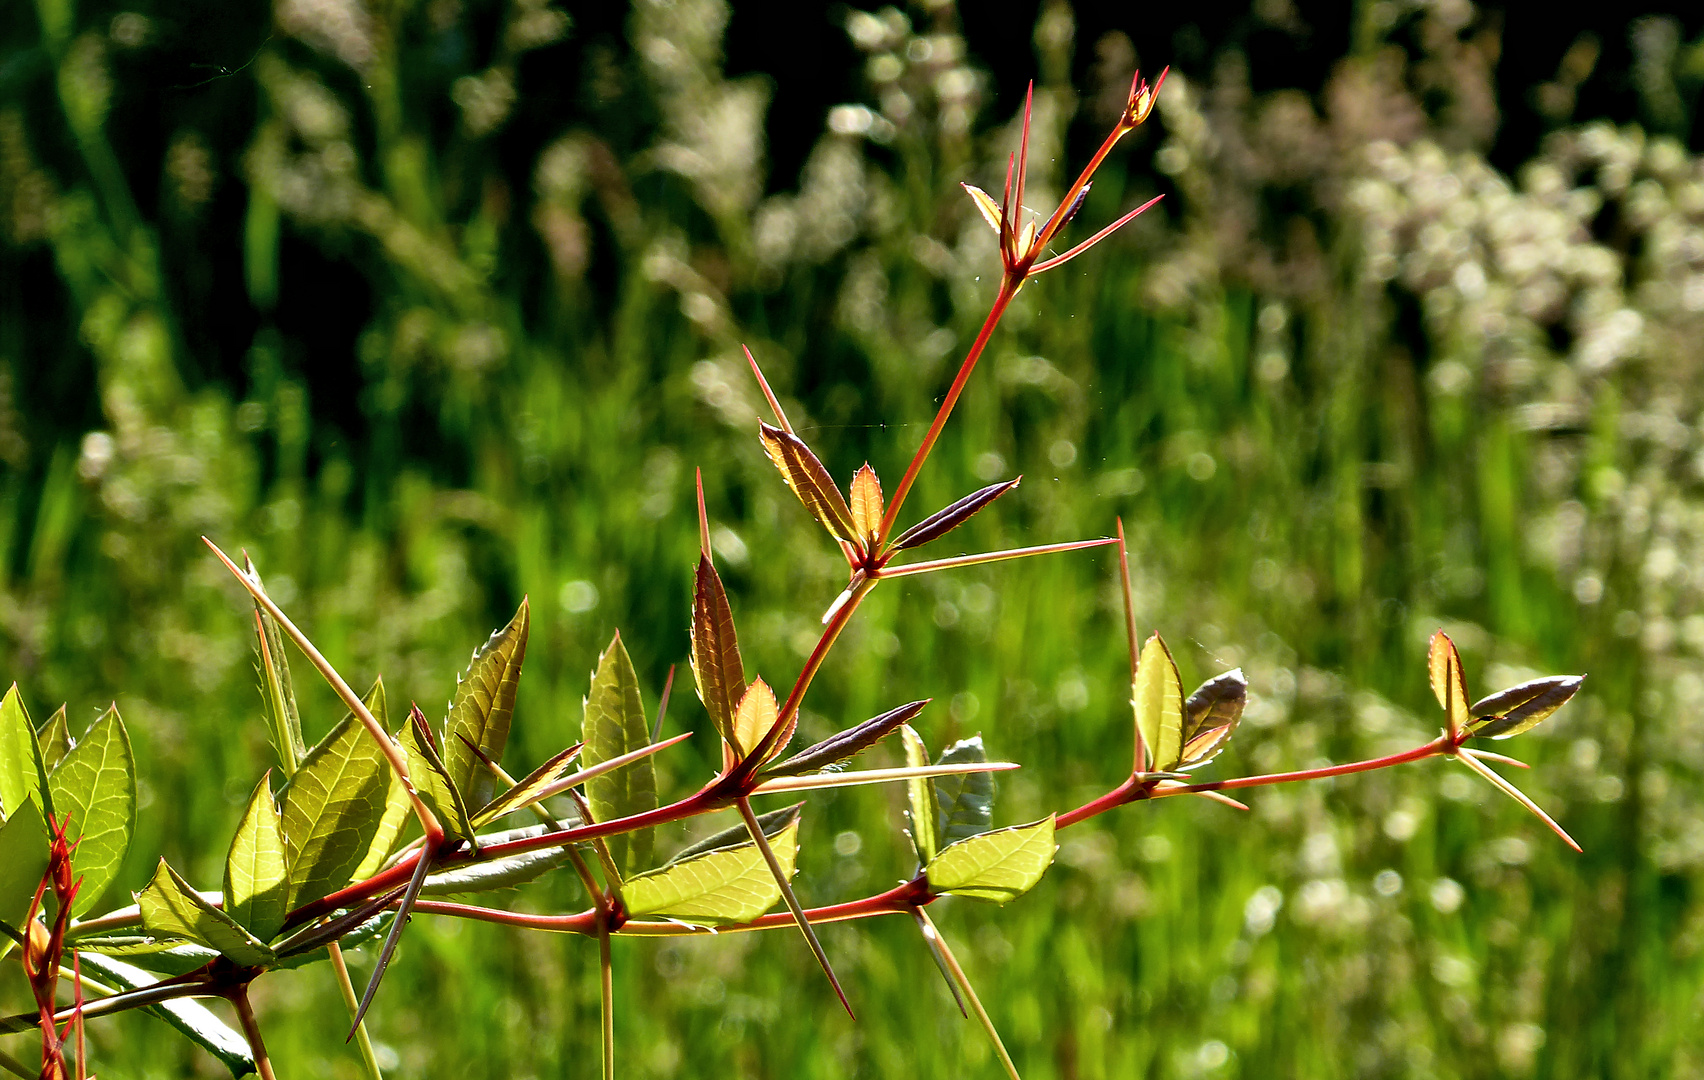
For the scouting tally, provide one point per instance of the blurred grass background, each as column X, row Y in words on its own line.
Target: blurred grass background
column 430, row 304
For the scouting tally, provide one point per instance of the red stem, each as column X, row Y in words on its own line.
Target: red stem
column 1008, row 289
column 901, row 898
column 1134, row 789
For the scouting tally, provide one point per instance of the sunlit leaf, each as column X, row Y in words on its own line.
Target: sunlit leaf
column 1158, row 699
column 1210, row 717
column 257, row 879
column 277, row 694
column 998, row 866
column 1509, row 712
column 757, row 713
column 526, row 790
column 1448, row 682
column 54, row 738
column 843, row 745
column 945, row 520
column 483, row 708
column 921, row 807
column 331, row 810
column 615, row 724
column 808, row 480
column 431, row 779
column 171, row 908
column 94, row 788
column 398, row 807
column 716, row 666
column 985, row 205
column 738, row 835
column 730, row 885
column 23, row 861
column 866, row 505
column 191, row 1018
column 964, row 804
column 20, row 756
column 508, row 872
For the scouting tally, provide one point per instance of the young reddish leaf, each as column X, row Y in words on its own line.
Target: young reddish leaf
column 1157, row 697
column 944, row 521
column 843, row 745
column 716, row 666
column 1448, row 683
column 866, row 506
column 985, row 205
column 757, row 713
column 808, row 479
column 1210, row 717
column 1509, row 712
column 484, row 707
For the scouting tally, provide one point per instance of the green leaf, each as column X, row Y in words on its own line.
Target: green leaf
column 54, row 738
column 964, row 804
column 483, row 708
column 505, row 873
column 1158, row 700
column 257, row 878
column 94, row 786
column 734, row 836
column 331, row 811
column 191, row 1018
column 1448, row 683
column 277, row 695
column 1210, row 717
column 726, row 886
column 614, row 725
column 526, row 790
column 397, row 804
column 23, row 861
column 431, row 780
column 20, row 757
column 716, row 666
column 1519, row 708
column 171, row 908
column 921, row 806
column 999, row 866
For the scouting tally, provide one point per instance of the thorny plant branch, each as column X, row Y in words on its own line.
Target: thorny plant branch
column 397, row 886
